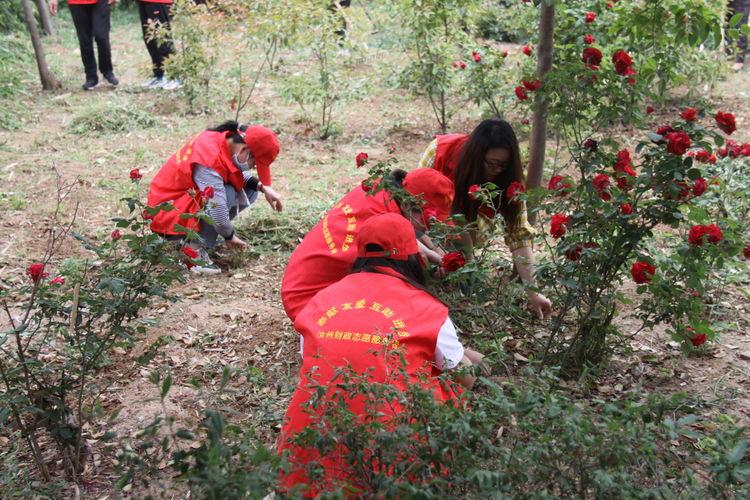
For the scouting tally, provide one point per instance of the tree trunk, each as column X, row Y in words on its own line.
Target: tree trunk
column 45, row 17
column 539, row 120
column 49, row 82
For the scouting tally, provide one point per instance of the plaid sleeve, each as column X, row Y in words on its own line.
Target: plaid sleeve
column 522, row 234
column 428, row 157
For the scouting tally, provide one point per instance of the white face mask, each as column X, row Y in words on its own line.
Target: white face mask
column 239, row 164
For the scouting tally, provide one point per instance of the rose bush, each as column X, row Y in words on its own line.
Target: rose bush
column 601, row 229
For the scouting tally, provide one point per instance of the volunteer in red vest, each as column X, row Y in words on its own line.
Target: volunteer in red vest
column 91, row 19
column 490, row 154
column 381, row 306
column 326, row 253
column 214, row 171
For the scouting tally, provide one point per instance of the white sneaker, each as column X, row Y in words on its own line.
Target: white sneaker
column 207, row 266
column 154, row 83
column 172, row 84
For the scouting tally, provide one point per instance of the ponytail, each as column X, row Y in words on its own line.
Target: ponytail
column 231, row 126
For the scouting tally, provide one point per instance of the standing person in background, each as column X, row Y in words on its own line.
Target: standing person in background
column 91, row 19
column 338, row 6
column 739, row 7
column 214, row 170
column 157, row 12
column 489, row 154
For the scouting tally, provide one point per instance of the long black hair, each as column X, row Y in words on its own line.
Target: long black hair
column 233, row 127
column 411, row 269
column 490, row 134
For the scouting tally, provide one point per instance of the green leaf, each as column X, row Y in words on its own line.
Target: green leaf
column 166, row 385
column 738, row 452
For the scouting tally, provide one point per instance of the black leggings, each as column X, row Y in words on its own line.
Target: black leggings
column 92, row 23
column 739, row 7
column 155, row 12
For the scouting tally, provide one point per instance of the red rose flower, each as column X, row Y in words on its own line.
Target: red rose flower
column 57, row 280
column 190, row 252
column 649, row 110
column 135, row 175
column 453, row 261
column 476, row 56
column 558, row 183
column 590, row 17
column 746, row 251
column 664, row 130
column 601, row 183
column 36, row 272
column 624, row 182
column 559, row 225
column 361, row 159
column 459, row 64
column 689, row 114
column 592, row 56
column 514, row 188
column 626, row 208
column 591, row 145
column 473, row 189
column 521, row 93
column 697, row 233
column 588, row 39
column 531, row 86
column 574, row 253
column 726, row 122
column 115, row 235
column 714, row 233
column 622, row 163
column 642, row 272
column 623, row 63
column 208, row 193
column 365, row 186
column 698, row 339
column 678, row 143
column 745, row 149
column 527, row 50
column 704, row 156
column 699, row 186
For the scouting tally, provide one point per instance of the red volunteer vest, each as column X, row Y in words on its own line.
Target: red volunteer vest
column 174, row 182
column 82, row 2
column 345, row 325
column 449, row 149
column 328, row 251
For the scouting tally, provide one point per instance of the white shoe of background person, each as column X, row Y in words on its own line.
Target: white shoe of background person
column 206, row 266
column 154, row 83
column 172, row 84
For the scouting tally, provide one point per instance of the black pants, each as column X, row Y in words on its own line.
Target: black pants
column 155, row 12
column 739, row 7
column 340, row 32
column 92, row 23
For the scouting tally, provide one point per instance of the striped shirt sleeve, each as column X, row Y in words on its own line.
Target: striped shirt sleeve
column 217, row 208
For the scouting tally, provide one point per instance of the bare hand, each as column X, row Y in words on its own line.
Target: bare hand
column 53, row 7
column 273, row 198
column 235, row 242
column 540, row 304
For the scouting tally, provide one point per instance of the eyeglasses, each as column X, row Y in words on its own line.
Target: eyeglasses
column 495, row 166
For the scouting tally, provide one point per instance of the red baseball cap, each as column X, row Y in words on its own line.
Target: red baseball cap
column 264, row 146
column 391, row 232
column 433, row 187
